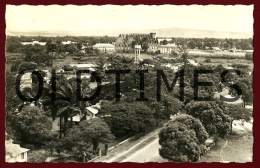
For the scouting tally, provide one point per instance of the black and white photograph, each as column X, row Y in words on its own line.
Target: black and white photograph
column 129, row 83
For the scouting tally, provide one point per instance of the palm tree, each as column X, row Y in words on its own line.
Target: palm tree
column 183, row 52
column 71, row 106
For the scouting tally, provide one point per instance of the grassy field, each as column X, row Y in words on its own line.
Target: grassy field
column 224, row 62
column 234, row 148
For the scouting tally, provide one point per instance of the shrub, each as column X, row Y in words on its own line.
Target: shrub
column 38, row 157
column 208, row 60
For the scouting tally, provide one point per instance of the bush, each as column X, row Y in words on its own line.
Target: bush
column 249, row 56
column 38, row 157
column 208, row 60
column 157, row 52
column 28, row 66
column 68, row 68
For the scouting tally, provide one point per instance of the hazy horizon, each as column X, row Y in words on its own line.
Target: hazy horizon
column 163, row 32
column 232, row 18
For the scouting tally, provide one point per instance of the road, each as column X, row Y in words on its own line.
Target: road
column 149, row 153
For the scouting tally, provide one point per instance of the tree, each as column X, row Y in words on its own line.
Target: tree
column 71, row 107
column 87, row 133
column 145, row 47
column 211, row 115
column 67, row 105
column 128, row 118
column 183, row 53
column 97, row 131
column 13, row 47
column 76, row 143
column 32, row 124
column 246, row 86
column 171, row 105
column 15, row 67
column 27, row 66
column 40, row 58
column 79, row 46
column 51, row 47
column 12, row 99
column 38, row 157
column 249, row 56
column 183, row 139
column 164, row 42
column 236, row 112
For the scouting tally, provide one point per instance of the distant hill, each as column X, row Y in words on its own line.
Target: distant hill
column 163, row 32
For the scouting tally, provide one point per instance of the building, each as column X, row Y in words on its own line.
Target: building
column 126, row 42
column 26, row 80
column 15, row 153
column 34, row 43
column 167, row 49
column 160, row 39
column 192, row 62
column 90, row 67
column 68, row 42
column 104, row 47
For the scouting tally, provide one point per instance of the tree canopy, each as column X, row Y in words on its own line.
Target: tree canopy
column 211, row 115
column 183, row 139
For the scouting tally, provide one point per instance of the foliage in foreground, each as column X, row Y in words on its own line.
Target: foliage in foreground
column 183, row 140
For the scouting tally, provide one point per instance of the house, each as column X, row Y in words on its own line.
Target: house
column 76, row 119
column 15, row 153
column 104, row 47
column 93, row 110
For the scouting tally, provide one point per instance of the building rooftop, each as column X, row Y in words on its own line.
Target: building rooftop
column 103, row 45
column 13, row 150
column 83, row 65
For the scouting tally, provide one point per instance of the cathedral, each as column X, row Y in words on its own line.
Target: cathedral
column 126, row 42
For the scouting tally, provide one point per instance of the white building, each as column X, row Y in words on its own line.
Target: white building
column 26, row 80
column 15, row 153
column 33, row 43
column 162, row 39
column 104, row 47
column 167, row 49
column 68, row 42
column 192, row 62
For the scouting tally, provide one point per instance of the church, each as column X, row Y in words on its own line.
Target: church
column 126, row 42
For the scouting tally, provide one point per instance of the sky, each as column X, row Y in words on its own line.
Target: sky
column 238, row 18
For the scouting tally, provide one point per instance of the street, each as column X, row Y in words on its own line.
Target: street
column 149, row 153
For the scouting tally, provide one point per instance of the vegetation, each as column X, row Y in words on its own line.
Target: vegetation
column 183, row 140
column 211, row 115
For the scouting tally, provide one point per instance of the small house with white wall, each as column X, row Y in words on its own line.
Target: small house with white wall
column 15, row 153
